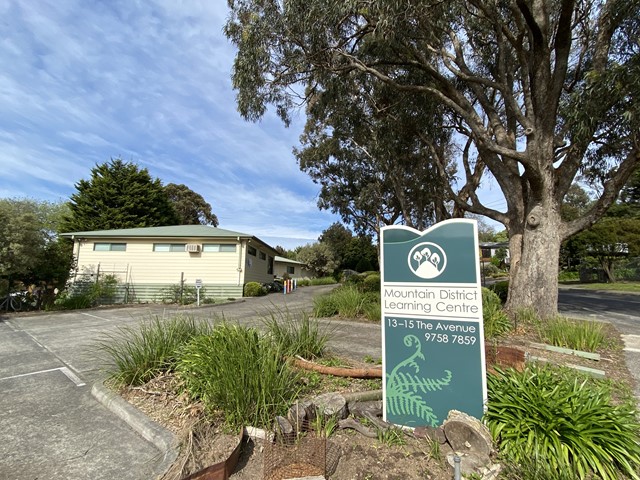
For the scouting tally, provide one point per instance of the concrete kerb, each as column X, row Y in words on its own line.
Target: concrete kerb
column 152, row 432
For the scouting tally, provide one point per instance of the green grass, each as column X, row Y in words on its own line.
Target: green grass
column 550, row 419
column 134, row 355
column 613, row 287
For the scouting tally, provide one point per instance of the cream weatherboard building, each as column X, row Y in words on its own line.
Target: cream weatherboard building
column 150, row 261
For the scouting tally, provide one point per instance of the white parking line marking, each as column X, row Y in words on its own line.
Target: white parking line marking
column 95, row 316
column 634, row 350
column 68, row 373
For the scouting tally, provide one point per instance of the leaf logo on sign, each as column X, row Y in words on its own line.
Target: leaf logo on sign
column 427, row 260
column 404, row 385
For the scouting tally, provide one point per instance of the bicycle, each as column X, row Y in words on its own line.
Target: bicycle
column 12, row 302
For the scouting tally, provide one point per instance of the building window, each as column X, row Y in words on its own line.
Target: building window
column 263, row 256
column 291, row 270
column 219, row 247
column 270, row 266
column 168, row 247
column 109, row 247
column 252, row 251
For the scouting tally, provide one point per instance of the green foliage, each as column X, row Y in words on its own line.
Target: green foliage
column 181, row 294
column 541, row 416
column 30, row 251
column 575, row 334
column 501, row 289
column 319, row 257
column 568, row 276
column 238, row 371
column 322, row 281
column 496, row 321
column 371, row 283
column 134, row 355
column 254, row 289
column 119, row 195
column 296, row 335
column 391, row 437
column 87, row 294
column 372, row 309
column 325, row 306
column 191, row 207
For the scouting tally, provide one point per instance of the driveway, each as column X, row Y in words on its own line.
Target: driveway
column 52, row 427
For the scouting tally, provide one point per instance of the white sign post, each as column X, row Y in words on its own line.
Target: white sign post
column 198, row 287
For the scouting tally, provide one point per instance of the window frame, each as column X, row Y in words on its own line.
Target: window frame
column 110, row 245
column 173, row 247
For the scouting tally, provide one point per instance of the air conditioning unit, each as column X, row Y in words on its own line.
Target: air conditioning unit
column 192, row 248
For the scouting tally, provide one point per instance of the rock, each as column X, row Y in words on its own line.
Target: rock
column 467, row 434
column 431, row 433
column 331, row 405
column 284, row 430
column 358, row 408
column 301, row 414
column 493, row 472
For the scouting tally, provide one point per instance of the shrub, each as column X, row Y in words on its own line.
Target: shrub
column 496, row 321
column 181, row 294
column 239, row 372
column 296, row 336
column 501, row 289
column 546, row 417
column 568, row 276
column 134, row 355
column 254, row 289
column 304, row 282
column 371, row 283
column 323, row 281
column 325, row 306
column 489, row 269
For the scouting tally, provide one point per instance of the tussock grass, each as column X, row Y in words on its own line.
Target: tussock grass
column 296, row 334
column 134, row 355
column 575, row 334
column 240, row 372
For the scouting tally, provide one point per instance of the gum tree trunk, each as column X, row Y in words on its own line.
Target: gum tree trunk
column 535, row 254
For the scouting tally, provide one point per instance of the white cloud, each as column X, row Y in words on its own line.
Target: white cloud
column 85, row 81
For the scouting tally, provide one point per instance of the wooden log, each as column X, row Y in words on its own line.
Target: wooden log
column 467, row 434
column 338, row 371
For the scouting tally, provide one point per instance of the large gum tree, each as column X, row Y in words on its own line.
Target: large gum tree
column 540, row 91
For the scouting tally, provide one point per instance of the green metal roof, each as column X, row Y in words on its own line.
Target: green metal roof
column 155, row 232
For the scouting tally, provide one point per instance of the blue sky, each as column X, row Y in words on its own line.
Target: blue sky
column 148, row 81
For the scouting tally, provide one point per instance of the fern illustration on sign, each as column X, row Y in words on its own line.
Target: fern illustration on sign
column 404, row 388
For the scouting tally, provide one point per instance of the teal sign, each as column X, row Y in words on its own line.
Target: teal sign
column 432, row 333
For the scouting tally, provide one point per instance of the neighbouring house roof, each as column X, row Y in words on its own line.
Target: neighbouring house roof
column 494, row 244
column 288, row 260
column 175, row 231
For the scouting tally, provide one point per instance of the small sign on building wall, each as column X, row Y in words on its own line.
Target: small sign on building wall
column 432, row 328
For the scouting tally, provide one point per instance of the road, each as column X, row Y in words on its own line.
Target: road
column 621, row 309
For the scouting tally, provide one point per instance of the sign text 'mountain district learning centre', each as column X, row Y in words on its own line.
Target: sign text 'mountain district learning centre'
column 433, row 341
